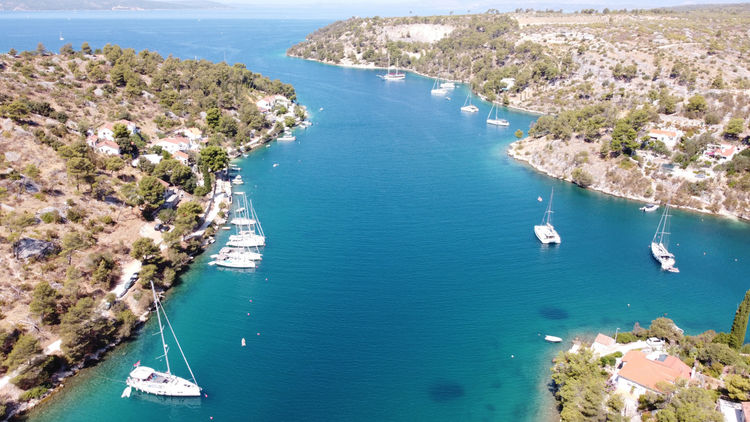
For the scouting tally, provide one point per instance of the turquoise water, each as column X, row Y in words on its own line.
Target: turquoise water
column 401, row 273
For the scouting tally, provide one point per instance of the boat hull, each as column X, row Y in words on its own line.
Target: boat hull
column 470, row 109
column 498, row 122
column 663, row 257
column 146, row 380
column 547, row 234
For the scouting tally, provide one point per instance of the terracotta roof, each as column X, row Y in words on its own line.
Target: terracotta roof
column 662, row 132
column 728, row 151
column 178, row 140
column 746, row 410
column 108, row 143
column 181, row 155
column 648, row 373
column 604, row 340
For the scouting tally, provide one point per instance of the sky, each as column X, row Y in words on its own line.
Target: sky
column 338, row 9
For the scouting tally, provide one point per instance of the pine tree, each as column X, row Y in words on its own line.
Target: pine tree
column 739, row 326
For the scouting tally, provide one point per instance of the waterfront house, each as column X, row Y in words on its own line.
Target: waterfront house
column 670, row 137
column 603, row 344
column 639, row 373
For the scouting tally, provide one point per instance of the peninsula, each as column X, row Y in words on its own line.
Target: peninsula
column 111, row 168
column 650, row 105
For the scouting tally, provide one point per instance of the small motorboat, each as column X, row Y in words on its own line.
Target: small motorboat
column 552, row 339
column 649, row 207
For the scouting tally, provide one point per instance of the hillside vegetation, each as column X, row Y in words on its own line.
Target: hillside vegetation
column 85, row 168
column 605, row 79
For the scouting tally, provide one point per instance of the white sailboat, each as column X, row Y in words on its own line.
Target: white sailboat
column 393, row 74
column 437, row 89
column 496, row 121
column 660, row 242
column 150, row 381
column 468, row 106
column 61, row 37
column 242, row 248
column 546, row 232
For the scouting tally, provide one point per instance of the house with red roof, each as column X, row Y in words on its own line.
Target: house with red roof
column 603, row 344
column 107, row 147
column 638, row 373
column 181, row 157
column 670, row 137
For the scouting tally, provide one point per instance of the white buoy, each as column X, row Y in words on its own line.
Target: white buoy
column 243, row 341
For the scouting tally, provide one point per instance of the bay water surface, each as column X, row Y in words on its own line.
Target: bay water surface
column 402, row 280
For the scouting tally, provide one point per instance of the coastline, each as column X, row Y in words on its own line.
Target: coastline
column 511, row 151
column 514, row 153
column 372, row 66
column 210, row 219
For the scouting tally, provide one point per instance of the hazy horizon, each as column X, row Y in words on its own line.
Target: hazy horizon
column 346, row 8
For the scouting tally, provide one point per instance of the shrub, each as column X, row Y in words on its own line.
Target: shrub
column 34, row 393
column 582, row 178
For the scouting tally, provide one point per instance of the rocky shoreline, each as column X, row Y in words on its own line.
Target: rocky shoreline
column 562, row 162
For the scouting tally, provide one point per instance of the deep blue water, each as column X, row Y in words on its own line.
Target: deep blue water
column 402, row 272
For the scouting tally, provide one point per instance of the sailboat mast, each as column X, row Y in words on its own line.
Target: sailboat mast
column 161, row 327
column 549, row 207
column 178, row 346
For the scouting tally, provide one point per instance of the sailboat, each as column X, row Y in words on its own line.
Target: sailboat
column 660, row 241
column 242, row 248
column 468, row 106
column 151, row 381
column 61, row 37
column 546, row 232
column 392, row 74
column 496, row 121
column 437, row 89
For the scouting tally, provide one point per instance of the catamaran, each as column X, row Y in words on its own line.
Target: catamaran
column 546, row 232
column 437, row 89
column 150, row 381
column 496, row 121
column 468, row 106
column 660, row 241
column 392, row 74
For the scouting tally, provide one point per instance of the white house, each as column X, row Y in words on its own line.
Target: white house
column 265, row 104
column 669, row 137
column 172, row 145
column 107, row 131
column 107, row 147
column 639, row 373
column 603, row 345
column 181, row 157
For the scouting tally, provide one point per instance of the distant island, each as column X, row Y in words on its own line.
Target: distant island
column 38, row 5
column 112, row 176
column 650, row 105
